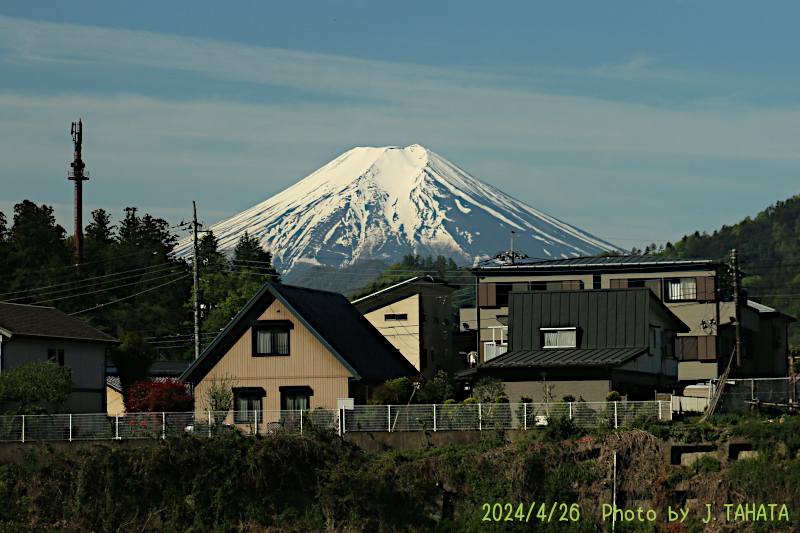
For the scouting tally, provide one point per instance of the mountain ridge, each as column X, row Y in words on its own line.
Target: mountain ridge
column 383, row 203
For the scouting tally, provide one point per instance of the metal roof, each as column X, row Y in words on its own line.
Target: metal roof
column 402, row 285
column 624, row 261
column 557, row 357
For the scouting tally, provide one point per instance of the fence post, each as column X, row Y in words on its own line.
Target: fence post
column 70, row 427
column 256, row 416
column 209, row 423
column 525, row 414
column 341, row 421
column 434, row 417
column 659, row 409
column 570, row 410
column 23, row 428
column 117, row 426
column 389, row 419
column 301, row 421
column 163, row 425
column 616, row 424
column 480, row 419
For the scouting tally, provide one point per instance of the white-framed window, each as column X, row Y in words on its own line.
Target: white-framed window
column 682, row 289
column 559, row 337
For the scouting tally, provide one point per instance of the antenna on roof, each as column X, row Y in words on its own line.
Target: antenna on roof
column 511, row 255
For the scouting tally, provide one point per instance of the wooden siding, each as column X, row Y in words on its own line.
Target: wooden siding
column 606, row 319
column 309, row 364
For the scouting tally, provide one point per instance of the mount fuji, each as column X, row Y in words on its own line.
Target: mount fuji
column 384, row 203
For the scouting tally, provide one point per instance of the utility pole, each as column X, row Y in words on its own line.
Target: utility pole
column 78, row 175
column 512, row 246
column 196, row 275
column 737, row 305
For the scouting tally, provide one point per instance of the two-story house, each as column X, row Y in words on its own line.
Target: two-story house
column 30, row 334
column 698, row 291
column 586, row 344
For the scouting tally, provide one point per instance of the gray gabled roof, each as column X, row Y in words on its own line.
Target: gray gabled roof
column 34, row 321
column 339, row 326
column 559, row 357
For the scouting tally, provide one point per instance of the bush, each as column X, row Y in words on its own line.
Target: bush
column 706, row 463
column 393, row 392
column 613, row 396
column 46, row 382
column 159, row 396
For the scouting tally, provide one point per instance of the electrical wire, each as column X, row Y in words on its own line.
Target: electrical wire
column 90, row 285
column 131, row 296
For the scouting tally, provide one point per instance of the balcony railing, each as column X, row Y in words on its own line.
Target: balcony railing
column 492, row 350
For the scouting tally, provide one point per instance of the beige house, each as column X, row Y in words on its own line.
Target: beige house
column 697, row 291
column 35, row 334
column 296, row 348
column 416, row 317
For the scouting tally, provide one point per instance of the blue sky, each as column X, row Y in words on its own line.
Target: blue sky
column 635, row 121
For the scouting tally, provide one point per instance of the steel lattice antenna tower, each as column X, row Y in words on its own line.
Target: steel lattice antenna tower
column 78, row 175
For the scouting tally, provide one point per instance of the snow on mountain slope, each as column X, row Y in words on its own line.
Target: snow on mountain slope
column 383, row 203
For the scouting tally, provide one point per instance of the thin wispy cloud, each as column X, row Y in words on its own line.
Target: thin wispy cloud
column 239, row 150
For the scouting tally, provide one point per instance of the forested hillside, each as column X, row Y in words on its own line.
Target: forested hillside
column 769, row 251
column 129, row 281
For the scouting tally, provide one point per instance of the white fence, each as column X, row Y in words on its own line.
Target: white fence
column 374, row 418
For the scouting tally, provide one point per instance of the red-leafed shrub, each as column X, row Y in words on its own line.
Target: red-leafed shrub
column 159, row 396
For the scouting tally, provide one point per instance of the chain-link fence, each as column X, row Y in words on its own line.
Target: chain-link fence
column 459, row 417
column 770, row 392
column 375, row 418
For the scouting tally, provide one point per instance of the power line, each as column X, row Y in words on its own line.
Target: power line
column 29, row 291
column 131, row 296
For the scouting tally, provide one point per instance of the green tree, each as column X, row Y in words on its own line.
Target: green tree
column 437, row 390
column 393, row 391
column 36, row 383
column 488, row 390
column 132, row 359
column 250, row 256
column 229, row 285
column 35, row 240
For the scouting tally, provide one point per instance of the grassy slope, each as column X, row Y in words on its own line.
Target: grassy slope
column 317, row 482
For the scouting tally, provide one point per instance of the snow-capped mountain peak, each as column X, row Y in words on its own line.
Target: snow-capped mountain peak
column 383, row 203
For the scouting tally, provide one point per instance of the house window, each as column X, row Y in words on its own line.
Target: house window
column 395, row 316
column 271, row 337
column 247, row 405
column 682, row 289
column 559, row 337
column 57, row 356
column 296, row 398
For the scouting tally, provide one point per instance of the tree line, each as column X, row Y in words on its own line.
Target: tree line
column 129, row 281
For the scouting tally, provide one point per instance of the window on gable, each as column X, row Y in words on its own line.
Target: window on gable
column 559, row 337
column 682, row 289
column 271, row 338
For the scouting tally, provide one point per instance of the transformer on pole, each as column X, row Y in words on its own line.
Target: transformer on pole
column 78, row 175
